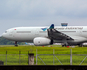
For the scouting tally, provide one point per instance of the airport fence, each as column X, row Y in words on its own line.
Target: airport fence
column 14, row 59
column 61, row 59
column 54, row 58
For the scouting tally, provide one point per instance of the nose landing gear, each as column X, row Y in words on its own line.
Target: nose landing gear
column 16, row 43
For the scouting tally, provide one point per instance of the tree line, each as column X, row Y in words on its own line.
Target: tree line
column 4, row 41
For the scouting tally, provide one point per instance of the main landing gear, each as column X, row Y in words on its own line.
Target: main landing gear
column 16, row 43
column 65, row 44
column 80, row 45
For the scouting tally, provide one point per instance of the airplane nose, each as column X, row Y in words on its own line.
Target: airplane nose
column 4, row 35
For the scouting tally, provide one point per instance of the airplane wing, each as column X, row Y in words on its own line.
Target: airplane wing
column 56, row 35
column 78, row 38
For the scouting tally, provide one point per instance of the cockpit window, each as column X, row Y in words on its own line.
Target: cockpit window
column 5, row 31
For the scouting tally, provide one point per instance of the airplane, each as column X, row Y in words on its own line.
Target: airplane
column 42, row 36
column 29, row 43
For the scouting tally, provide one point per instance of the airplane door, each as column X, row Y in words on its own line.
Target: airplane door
column 36, row 32
column 79, row 32
column 11, row 33
column 16, row 35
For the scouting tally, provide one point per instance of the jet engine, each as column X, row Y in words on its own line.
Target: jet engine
column 42, row 41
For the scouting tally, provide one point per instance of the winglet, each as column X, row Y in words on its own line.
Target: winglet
column 52, row 26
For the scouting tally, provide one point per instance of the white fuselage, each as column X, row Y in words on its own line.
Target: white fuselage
column 24, row 34
column 27, row 34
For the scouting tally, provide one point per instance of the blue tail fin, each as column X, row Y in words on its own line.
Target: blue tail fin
column 25, row 42
column 51, row 27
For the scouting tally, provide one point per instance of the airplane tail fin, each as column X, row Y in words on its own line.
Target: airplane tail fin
column 51, row 27
column 25, row 42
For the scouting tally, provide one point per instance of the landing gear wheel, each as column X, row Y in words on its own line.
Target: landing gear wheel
column 65, row 45
column 62, row 45
column 80, row 45
column 16, row 43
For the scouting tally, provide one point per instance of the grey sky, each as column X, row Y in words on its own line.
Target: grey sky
column 15, row 13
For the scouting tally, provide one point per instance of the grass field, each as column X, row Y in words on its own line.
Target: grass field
column 13, row 54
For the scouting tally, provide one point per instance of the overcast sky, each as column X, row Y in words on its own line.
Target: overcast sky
column 15, row 13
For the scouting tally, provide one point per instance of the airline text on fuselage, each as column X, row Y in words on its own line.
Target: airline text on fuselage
column 69, row 28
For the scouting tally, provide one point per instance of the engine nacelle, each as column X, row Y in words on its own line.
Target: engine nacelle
column 42, row 41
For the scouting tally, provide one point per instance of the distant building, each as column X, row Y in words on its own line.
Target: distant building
column 64, row 24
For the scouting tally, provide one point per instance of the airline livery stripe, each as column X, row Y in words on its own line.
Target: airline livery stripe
column 84, row 31
column 68, row 31
column 23, row 31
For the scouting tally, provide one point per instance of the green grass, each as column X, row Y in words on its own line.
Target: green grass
column 13, row 54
